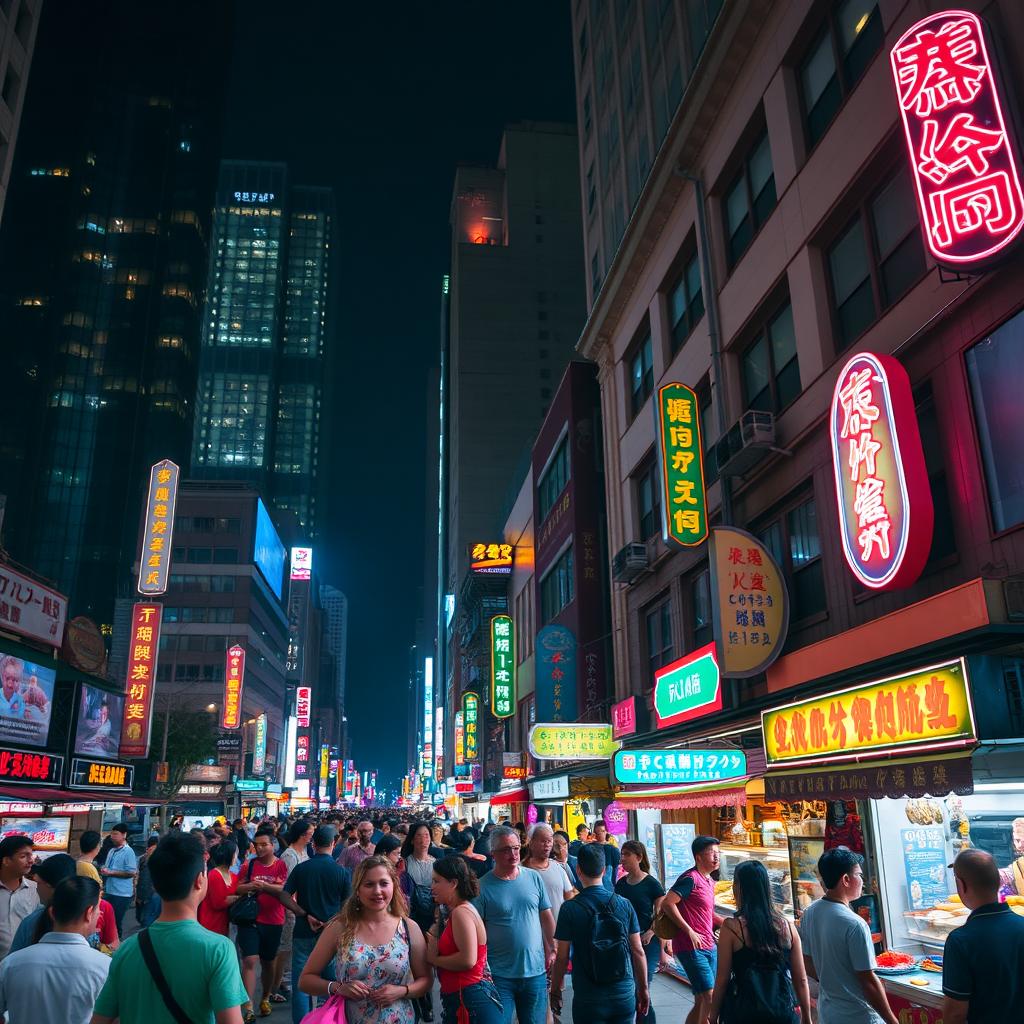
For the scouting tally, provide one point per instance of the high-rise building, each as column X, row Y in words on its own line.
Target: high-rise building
column 261, row 373
column 19, row 21
column 334, row 650
column 102, row 261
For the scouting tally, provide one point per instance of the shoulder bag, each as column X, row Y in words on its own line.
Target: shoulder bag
column 157, row 974
column 244, row 911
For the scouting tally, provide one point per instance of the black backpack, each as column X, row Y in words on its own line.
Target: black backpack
column 760, row 991
column 608, row 959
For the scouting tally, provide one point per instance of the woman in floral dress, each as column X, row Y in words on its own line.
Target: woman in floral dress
column 381, row 963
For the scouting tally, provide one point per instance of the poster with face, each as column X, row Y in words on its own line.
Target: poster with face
column 26, row 700
column 99, row 722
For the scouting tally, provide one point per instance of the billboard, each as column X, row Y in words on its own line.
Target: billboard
column 30, row 609
column 302, row 564
column 268, row 552
column 100, row 716
column 26, row 700
column 158, row 533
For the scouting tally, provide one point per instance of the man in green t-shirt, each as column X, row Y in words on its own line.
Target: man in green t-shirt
column 200, row 966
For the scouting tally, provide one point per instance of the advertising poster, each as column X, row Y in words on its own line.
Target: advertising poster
column 26, row 700
column 676, row 843
column 99, row 722
column 48, row 835
column 924, row 864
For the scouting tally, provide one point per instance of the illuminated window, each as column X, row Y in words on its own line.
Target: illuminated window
column 76, row 319
column 557, row 587
column 553, row 480
column 749, row 199
column 170, row 341
column 685, row 302
column 32, row 300
column 771, row 372
column 836, row 60
column 641, row 374
column 647, row 484
column 660, row 647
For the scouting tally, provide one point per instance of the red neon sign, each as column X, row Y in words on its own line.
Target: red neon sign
column 882, row 489
column 142, row 655
column 303, row 699
column 966, row 166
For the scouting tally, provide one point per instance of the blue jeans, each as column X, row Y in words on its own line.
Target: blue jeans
column 302, row 949
column 481, row 1000
column 615, row 1011
column 652, row 951
column 526, row 998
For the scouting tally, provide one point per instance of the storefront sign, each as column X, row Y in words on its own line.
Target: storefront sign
column 513, row 771
column 249, row 785
column 882, row 489
column 684, row 516
column 234, row 679
column 84, row 647
column 688, row 688
column 470, row 715
column 924, row 866
column 207, row 773
column 928, row 709
column 491, row 559
column 28, row 768
column 751, row 602
column 201, row 789
column 303, row 703
column 555, row 667
column 30, row 609
column 24, row 808
column 158, row 534
column 463, row 787
column 87, row 774
column 229, row 748
column 137, row 721
column 259, row 750
column 624, row 718
column 965, row 163
column 301, row 564
column 460, row 742
column 616, row 819
column 556, row 788
column 48, row 835
column 678, row 767
column 302, row 757
column 503, row 667
column 553, row 742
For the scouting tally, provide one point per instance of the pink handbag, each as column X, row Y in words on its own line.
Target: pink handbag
column 332, row 1012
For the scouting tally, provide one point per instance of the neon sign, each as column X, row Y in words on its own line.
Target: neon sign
column 494, row 559
column 884, row 498
column 303, row 700
column 234, row 679
column 503, row 667
column 965, row 163
column 684, row 515
column 470, row 717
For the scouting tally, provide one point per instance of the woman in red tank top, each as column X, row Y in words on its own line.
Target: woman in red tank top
column 468, row 995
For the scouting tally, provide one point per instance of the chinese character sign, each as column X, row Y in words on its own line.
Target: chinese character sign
column 751, row 602
column 552, row 741
column 234, row 677
column 679, row 767
column 556, row 674
column 470, row 735
column 302, row 757
column 503, row 667
column 688, row 688
column 259, row 750
column 491, row 559
column 460, row 740
column 158, row 532
column 683, row 508
column 965, row 162
column 882, row 488
column 137, row 721
column 928, row 709
column 624, row 717
column 303, row 700
column 30, row 609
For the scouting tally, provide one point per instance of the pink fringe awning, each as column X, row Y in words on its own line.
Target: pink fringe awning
column 682, row 801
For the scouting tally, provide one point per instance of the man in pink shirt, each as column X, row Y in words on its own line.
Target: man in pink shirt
column 690, row 903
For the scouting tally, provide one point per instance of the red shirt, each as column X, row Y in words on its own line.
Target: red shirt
column 107, row 926
column 453, row 981
column 271, row 911
column 213, row 911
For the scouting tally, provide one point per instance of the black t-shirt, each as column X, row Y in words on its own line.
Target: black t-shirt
column 642, row 896
column 320, row 885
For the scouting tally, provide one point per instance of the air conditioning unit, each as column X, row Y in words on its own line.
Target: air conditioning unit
column 746, row 443
column 629, row 563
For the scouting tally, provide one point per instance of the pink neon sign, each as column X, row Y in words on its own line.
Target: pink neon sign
column 965, row 163
column 885, row 500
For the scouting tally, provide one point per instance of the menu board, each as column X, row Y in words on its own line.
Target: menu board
column 803, row 861
column 676, row 843
column 924, row 863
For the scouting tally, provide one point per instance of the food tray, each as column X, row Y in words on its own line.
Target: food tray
column 890, row 972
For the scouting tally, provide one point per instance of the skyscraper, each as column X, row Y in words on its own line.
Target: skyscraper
column 19, row 21
column 335, row 647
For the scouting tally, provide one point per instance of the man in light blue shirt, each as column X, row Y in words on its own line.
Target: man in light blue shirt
column 119, row 871
column 520, row 930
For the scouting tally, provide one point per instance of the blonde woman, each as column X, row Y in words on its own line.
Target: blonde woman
column 376, row 946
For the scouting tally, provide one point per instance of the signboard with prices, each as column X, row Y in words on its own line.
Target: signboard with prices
column 688, row 688
column 234, row 678
column 158, row 533
column 684, row 515
column 882, row 489
column 552, row 741
column 137, row 721
column 503, row 667
column 303, row 701
column 470, row 715
column 929, row 709
column 678, row 767
column 964, row 159
column 491, row 559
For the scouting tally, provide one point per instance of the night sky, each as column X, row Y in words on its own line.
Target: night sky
column 382, row 104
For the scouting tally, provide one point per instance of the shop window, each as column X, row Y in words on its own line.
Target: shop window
column 658, row 631
column 641, row 374
column 685, row 302
column 771, row 371
column 553, row 480
column 749, row 199
column 836, row 60
column 557, row 588
column 995, row 369
column 795, row 543
column 647, row 484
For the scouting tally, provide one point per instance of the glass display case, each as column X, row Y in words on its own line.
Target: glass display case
column 776, row 861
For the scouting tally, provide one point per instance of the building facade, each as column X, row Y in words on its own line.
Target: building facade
column 19, row 23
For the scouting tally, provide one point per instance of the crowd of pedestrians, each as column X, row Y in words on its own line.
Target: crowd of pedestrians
column 366, row 914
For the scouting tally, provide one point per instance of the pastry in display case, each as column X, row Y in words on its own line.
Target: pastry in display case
column 776, row 862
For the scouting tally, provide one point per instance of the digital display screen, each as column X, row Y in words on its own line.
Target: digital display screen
column 26, row 700
column 98, row 733
column 268, row 551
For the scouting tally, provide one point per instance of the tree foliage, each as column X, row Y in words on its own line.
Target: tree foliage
column 191, row 740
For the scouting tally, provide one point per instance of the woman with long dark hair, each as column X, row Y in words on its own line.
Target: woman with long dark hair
column 761, row 975
column 645, row 892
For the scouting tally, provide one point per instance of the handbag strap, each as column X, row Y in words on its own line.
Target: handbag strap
column 156, row 972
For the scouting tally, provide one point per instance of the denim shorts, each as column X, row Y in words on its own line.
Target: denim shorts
column 700, row 966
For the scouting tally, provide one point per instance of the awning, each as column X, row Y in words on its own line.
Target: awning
column 42, row 795
column 668, row 798
column 512, row 796
column 937, row 776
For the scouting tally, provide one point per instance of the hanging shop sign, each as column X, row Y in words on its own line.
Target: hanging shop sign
column 964, row 159
column 259, row 750
column 28, row 768
column 137, row 722
column 751, row 603
column 491, row 559
column 158, row 534
column 551, row 741
column 616, row 819
column 89, row 774
column 503, row 667
column 556, row 788
column 624, row 718
column 460, row 741
column 303, row 703
column 928, row 709
column 678, row 767
column 30, row 609
column 234, row 678
column 555, row 668
column 84, row 646
column 688, row 688
column 302, row 755
column 470, row 716
column 684, row 515
column 882, row 489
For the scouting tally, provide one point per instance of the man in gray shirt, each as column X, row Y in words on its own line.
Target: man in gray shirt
column 837, row 945
column 520, row 930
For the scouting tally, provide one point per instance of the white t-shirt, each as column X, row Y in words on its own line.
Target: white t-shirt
column 557, row 882
column 838, row 941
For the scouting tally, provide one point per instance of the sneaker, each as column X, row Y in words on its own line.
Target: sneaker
column 265, row 1008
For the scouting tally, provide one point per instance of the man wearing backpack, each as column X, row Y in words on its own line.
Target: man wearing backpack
column 609, row 969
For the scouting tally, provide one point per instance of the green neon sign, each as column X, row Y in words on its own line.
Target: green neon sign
column 503, row 667
column 684, row 514
column 470, row 716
